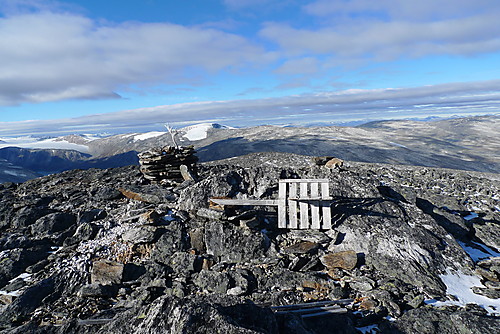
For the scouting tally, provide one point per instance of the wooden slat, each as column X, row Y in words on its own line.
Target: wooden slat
column 282, row 205
column 292, row 206
column 314, row 205
column 304, row 213
column 230, row 201
column 326, row 210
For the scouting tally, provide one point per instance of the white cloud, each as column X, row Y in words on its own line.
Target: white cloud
column 462, row 98
column 239, row 4
column 424, row 10
column 50, row 56
column 302, row 65
column 385, row 30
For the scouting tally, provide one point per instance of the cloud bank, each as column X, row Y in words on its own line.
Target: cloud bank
column 48, row 56
column 445, row 100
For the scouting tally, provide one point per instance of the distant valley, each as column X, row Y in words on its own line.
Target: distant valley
column 471, row 143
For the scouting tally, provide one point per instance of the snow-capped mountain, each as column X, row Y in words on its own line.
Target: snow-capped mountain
column 462, row 143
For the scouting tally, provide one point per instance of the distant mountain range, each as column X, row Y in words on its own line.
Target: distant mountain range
column 471, row 143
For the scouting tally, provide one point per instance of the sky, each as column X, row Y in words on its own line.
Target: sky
column 114, row 66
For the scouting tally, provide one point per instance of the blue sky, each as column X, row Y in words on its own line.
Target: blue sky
column 118, row 66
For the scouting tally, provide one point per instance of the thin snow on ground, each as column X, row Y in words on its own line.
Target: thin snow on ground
column 52, row 143
column 398, row 145
column 459, row 285
column 148, row 135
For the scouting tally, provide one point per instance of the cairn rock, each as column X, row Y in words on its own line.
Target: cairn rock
column 169, row 164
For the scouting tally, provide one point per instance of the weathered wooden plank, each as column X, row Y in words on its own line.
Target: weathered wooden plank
column 309, row 310
column 326, row 210
column 304, row 212
column 313, row 304
column 308, row 199
column 282, row 205
column 314, row 205
column 230, row 201
column 310, row 315
column 303, row 180
column 292, row 206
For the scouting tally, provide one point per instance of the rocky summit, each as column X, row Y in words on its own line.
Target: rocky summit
column 411, row 250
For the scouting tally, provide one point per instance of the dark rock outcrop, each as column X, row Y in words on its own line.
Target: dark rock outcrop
column 106, row 251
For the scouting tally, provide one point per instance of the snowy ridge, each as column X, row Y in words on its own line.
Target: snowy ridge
column 51, row 143
column 200, row 131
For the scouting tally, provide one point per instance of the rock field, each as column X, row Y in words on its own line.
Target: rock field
column 411, row 250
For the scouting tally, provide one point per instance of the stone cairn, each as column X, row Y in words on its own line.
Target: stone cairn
column 169, row 164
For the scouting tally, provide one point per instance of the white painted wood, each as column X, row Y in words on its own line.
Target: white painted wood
column 292, row 206
column 282, row 205
column 303, row 180
column 314, row 205
column 304, row 207
column 308, row 199
column 326, row 209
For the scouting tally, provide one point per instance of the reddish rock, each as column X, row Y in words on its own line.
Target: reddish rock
column 302, row 247
column 346, row 260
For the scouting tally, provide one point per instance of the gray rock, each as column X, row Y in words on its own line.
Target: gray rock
column 174, row 239
column 490, row 293
column 53, row 222
column 98, row 290
column 184, row 263
column 106, row 272
column 429, row 321
column 213, row 281
column 195, row 314
column 211, row 214
column 19, row 310
column 228, row 243
column 140, row 234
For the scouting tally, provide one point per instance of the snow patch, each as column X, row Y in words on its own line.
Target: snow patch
column 148, row 135
column 14, row 173
column 200, row 131
column 459, row 285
